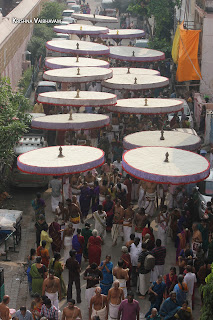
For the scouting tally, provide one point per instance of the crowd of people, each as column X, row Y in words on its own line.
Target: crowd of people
column 123, row 209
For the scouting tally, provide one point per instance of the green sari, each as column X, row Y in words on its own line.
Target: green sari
column 58, row 273
column 37, row 279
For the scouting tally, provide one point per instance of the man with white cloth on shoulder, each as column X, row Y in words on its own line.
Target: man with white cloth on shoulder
column 56, row 197
column 115, row 296
column 121, row 275
column 98, row 305
column 93, row 276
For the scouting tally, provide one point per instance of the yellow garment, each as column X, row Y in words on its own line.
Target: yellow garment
column 38, row 108
column 188, row 310
column 75, row 220
column 188, row 67
column 45, row 236
column 175, row 46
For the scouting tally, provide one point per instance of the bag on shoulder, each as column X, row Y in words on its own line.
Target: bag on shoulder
column 149, row 262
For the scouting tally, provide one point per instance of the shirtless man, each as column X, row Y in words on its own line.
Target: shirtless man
column 103, row 192
column 81, row 138
column 98, row 305
column 4, row 310
column 127, row 222
column 140, row 222
column 75, row 215
column 117, row 222
column 114, row 298
column 121, row 275
column 71, row 312
column 90, row 179
column 74, row 183
column 52, row 288
column 150, row 198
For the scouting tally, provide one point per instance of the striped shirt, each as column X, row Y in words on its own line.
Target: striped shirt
column 49, row 313
column 160, row 254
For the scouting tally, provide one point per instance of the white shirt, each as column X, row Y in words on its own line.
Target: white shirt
column 134, row 253
column 190, row 279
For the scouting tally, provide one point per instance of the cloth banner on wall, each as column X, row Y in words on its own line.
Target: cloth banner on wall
column 188, row 67
column 175, row 45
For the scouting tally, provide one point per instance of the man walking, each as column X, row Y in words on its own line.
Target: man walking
column 98, row 305
column 121, row 275
column 93, row 276
column 71, row 311
column 129, row 308
column 74, row 276
column 114, row 298
column 55, row 184
column 190, row 279
column 159, row 252
column 144, row 274
column 52, row 288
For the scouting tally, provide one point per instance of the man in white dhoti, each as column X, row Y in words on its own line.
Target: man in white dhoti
column 159, row 252
column 98, row 305
column 55, row 184
column 121, row 275
column 150, row 198
column 127, row 222
column 67, row 241
column 163, row 221
column 141, row 194
column 117, row 228
column 144, row 275
column 114, row 298
column 100, row 221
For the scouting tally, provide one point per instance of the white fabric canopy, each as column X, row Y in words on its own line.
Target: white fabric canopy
column 81, row 29
column 81, row 75
column 135, row 54
column 123, row 34
column 45, row 161
column 77, row 47
column 79, row 121
column 175, row 139
column 135, row 71
column 148, row 163
column 86, row 98
column 154, row 106
column 73, row 62
column 135, row 82
column 94, row 18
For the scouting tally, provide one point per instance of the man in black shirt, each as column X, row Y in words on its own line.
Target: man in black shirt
column 74, row 276
column 144, row 275
column 93, row 276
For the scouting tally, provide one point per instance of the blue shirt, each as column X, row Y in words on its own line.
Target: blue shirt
column 28, row 315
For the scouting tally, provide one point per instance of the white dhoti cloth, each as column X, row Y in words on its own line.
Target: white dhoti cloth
column 54, row 202
column 123, row 286
column 89, row 293
column 157, row 271
column 101, row 199
column 150, row 203
column 67, row 247
column 75, row 227
column 76, row 192
column 143, row 283
column 101, row 313
column 141, row 200
column 162, row 234
column 53, row 297
column 127, row 231
column 94, row 142
column 117, row 230
column 113, row 311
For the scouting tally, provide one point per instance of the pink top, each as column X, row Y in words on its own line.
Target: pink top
column 129, row 310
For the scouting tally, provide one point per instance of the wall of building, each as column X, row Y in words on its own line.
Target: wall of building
column 14, row 38
column 206, row 85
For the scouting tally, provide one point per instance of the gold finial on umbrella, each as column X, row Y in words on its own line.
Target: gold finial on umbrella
column 80, row 27
column 128, row 71
column 135, row 80
column 167, row 157
column 78, row 72
column 77, row 45
column 77, row 59
column 117, row 32
column 146, row 102
column 133, row 53
column 60, row 153
column 70, row 118
column 162, row 136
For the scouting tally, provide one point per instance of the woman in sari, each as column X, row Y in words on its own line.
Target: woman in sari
column 94, row 248
column 77, row 245
column 36, row 307
column 30, row 260
column 56, row 265
column 38, row 205
column 181, row 242
column 55, row 234
column 100, row 221
column 86, row 233
column 184, row 313
column 43, row 253
column 38, row 273
column 156, row 292
column 106, row 267
column 181, row 290
column 85, row 198
column 170, row 280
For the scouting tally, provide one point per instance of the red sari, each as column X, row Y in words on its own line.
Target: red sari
column 94, row 250
column 55, row 234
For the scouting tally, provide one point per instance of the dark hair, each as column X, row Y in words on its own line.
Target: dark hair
column 96, row 183
column 45, row 227
column 189, row 268
column 51, row 271
column 44, row 298
column 137, row 240
column 104, row 182
column 32, row 253
column 174, row 269
column 72, row 253
column 164, row 207
column 72, row 301
column 158, row 242
column 120, row 263
column 43, row 243
column 100, row 207
column 180, row 280
column 23, row 308
column 144, row 245
column 94, row 266
column 5, row 299
column 38, row 259
column 187, row 253
column 36, row 295
column 130, row 293
column 185, row 302
column 132, row 236
column 38, row 195
column 47, row 302
column 78, row 231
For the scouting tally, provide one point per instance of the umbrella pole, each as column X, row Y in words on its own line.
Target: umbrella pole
column 62, row 189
